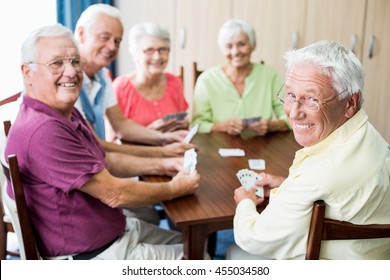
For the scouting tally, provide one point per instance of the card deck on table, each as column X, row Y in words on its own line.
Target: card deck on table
column 231, row 152
column 190, row 160
column 258, row 164
column 175, row 116
column 191, row 134
column 248, row 178
column 249, row 121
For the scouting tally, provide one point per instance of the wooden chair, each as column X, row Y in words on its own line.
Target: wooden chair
column 19, row 213
column 322, row 228
column 5, row 221
column 195, row 73
column 181, row 75
column 17, row 216
column 9, row 99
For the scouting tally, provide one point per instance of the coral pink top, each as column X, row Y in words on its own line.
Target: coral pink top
column 144, row 111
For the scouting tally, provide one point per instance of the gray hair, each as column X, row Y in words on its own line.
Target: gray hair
column 90, row 15
column 334, row 61
column 146, row 29
column 233, row 28
column 56, row 30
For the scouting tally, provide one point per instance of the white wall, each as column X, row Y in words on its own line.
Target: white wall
column 17, row 19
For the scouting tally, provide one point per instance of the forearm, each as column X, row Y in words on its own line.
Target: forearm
column 135, row 150
column 121, row 165
column 133, row 132
column 120, row 193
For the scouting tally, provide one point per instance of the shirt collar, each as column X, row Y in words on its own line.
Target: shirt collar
column 336, row 138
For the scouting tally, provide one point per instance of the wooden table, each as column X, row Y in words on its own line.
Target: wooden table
column 212, row 207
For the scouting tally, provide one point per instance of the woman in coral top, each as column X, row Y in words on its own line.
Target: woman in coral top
column 148, row 94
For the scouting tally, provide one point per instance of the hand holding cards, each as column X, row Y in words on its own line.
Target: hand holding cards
column 248, row 178
column 190, row 160
column 179, row 116
column 191, row 134
column 248, row 121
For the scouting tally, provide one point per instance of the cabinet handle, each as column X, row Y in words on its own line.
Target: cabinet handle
column 294, row 40
column 183, row 34
column 371, row 46
column 353, row 43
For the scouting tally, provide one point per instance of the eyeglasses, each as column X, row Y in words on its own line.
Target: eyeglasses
column 58, row 66
column 308, row 104
column 161, row 51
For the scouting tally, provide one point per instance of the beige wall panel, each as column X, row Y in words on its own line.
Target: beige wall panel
column 279, row 26
column 377, row 66
column 136, row 11
column 336, row 20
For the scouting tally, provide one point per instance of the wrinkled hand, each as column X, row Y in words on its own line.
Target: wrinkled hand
column 176, row 136
column 232, row 126
column 177, row 149
column 184, row 183
column 169, row 126
column 172, row 165
column 260, row 127
column 241, row 193
column 269, row 182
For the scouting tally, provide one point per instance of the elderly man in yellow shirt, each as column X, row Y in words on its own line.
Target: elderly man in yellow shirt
column 344, row 162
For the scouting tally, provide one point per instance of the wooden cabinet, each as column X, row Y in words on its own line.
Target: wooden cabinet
column 198, row 23
column 135, row 11
column 376, row 61
column 280, row 25
column 340, row 21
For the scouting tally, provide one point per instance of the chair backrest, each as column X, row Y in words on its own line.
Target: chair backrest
column 6, row 227
column 195, row 72
column 322, row 228
column 20, row 214
column 11, row 98
column 181, row 75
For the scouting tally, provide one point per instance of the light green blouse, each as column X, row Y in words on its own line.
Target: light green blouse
column 216, row 99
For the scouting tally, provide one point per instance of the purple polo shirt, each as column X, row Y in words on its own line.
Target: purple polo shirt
column 56, row 157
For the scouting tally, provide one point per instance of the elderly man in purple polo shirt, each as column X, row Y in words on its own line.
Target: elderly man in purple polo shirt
column 73, row 188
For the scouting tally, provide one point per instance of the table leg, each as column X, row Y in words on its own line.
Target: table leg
column 194, row 240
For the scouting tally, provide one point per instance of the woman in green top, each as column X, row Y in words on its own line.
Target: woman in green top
column 228, row 94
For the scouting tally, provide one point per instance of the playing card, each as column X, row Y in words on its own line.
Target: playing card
column 248, row 178
column 249, row 121
column 258, row 164
column 190, row 160
column 231, row 152
column 175, row 116
column 191, row 134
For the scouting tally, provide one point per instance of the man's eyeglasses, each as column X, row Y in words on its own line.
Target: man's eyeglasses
column 58, row 66
column 161, row 51
column 308, row 104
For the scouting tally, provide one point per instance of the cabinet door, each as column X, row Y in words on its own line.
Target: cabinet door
column 340, row 21
column 198, row 23
column 135, row 11
column 376, row 61
column 279, row 26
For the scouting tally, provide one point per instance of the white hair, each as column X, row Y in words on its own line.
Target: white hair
column 334, row 61
column 146, row 29
column 233, row 28
column 90, row 15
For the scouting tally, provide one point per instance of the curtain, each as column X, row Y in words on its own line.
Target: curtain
column 69, row 11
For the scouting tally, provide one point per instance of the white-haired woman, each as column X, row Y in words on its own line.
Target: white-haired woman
column 238, row 95
column 148, row 94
